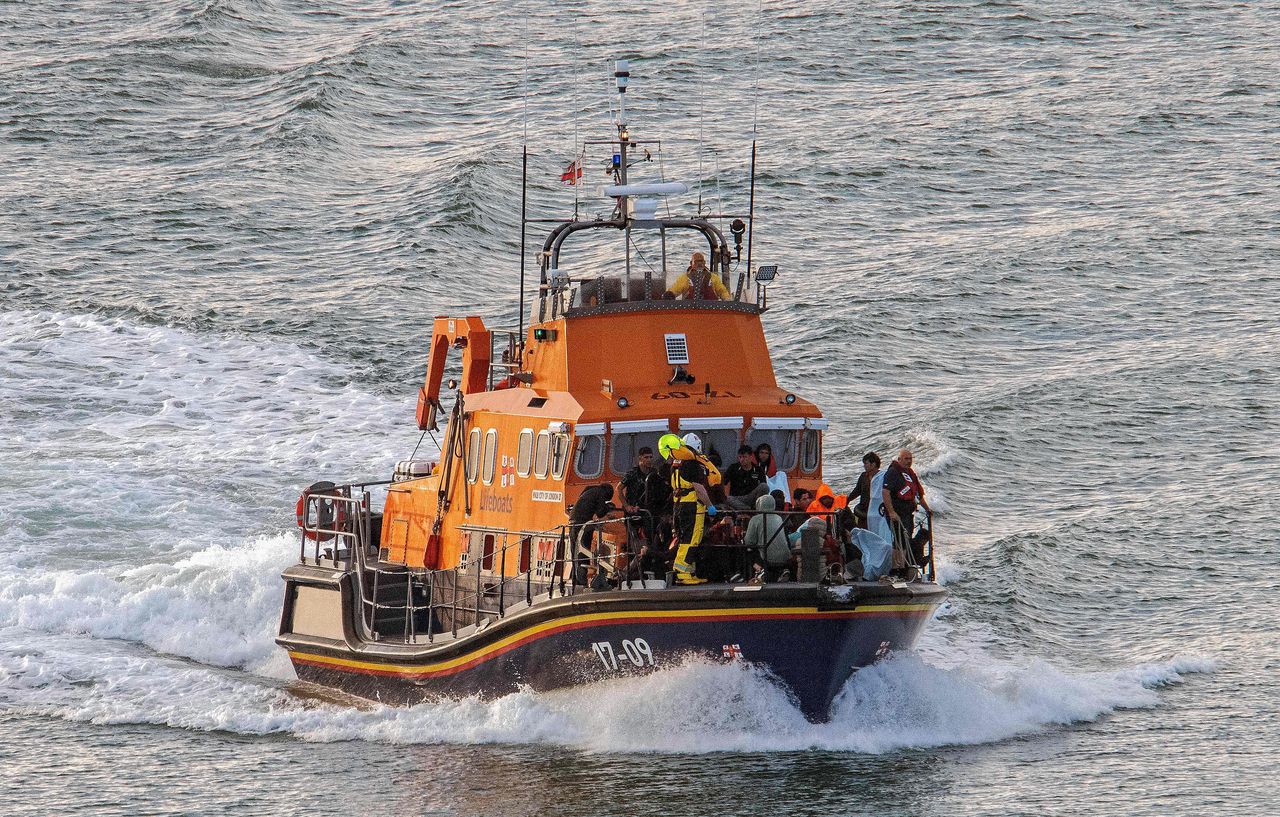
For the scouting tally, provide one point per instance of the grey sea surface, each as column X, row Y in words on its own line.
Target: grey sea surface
column 1038, row 243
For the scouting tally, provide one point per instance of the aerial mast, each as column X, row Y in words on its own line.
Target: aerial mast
column 622, row 74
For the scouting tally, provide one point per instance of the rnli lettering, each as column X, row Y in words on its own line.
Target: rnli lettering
column 494, row 503
column 684, row 395
column 548, row 496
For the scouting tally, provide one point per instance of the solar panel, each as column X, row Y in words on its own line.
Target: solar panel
column 677, row 349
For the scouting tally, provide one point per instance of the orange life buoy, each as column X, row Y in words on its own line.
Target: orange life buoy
column 331, row 515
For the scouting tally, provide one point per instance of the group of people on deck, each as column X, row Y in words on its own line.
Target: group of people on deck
column 701, row 524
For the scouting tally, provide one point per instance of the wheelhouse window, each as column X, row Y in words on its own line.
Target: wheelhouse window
column 628, row 437
column 524, row 453
column 782, row 435
column 589, row 462
column 560, row 455
column 720, row 437
column 542, row 455
column 490, row 455
column 811, row 451
column 472, row 463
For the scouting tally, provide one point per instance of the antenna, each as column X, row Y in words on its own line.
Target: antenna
column 702, row 94
column 524, row 179
column 623, row 75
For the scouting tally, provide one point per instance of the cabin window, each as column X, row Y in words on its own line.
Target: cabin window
column 784, row 442
column 720, row 445
column 472, row 463
column 560, row 455
column 542, row 455
column 524, row 454
column 490, row 455
column 812, row 451
column 623, row 454
column 589, row 463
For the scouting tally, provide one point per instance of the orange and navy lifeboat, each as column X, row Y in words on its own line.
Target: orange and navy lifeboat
column 464, row 580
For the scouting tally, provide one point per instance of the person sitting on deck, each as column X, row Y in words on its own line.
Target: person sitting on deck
column 699, row 283
column 767, row 534
column 745, row 480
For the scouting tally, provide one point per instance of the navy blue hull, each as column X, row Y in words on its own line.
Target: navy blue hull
column 812, row 649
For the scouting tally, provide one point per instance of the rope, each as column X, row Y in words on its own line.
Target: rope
column 419, row 445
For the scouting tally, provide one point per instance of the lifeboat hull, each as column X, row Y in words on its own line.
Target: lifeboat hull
column 810, row 638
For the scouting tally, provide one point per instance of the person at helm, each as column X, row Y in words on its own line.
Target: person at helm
column 699, row 283
column 689, row 478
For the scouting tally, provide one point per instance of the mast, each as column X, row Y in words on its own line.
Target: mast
column 622, row 74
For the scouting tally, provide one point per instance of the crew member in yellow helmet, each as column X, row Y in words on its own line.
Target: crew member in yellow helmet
column 692, row 503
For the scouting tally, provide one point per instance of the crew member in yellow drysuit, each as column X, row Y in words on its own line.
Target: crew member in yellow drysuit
column 690, row 475
column 699, row 283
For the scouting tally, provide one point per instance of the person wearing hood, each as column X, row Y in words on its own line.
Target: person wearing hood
column 825, row 505
column 765, row 533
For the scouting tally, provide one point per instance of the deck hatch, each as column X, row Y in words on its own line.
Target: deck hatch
column 677, row 349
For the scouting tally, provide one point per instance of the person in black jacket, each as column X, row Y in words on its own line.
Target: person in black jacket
column 646, row 497
column 744, row 480
column 595, row 502
column 860, row 496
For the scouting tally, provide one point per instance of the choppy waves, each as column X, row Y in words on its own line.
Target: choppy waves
column 903, row 702
column 145, row 589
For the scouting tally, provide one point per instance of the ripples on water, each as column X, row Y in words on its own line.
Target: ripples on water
column 1037, row 243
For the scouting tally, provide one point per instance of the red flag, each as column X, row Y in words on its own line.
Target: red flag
column 572, row 173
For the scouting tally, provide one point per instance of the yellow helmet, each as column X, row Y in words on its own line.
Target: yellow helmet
column 667, row 444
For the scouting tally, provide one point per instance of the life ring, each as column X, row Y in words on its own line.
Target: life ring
column 334, row 516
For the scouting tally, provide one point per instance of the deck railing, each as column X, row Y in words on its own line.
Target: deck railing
column 412, row 604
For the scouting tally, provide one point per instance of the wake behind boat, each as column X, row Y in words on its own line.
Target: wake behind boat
column 484, row 572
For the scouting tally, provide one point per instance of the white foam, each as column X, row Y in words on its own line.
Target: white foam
column 152, row 468
column 218, row 606
column 902, row 702
column 941, row 453
column 144, row 494
column 133, row 436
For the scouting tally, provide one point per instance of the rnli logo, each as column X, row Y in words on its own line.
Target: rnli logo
column 731, row 651
column 508, row 471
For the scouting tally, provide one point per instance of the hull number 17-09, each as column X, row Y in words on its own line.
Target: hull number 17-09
column 637, row 652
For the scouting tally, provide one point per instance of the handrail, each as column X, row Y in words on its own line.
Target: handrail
column 343, row 516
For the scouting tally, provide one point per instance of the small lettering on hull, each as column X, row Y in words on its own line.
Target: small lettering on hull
column 548, row 496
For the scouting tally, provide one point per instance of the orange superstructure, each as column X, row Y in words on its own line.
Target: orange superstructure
column 515, row 560
column 584, row 391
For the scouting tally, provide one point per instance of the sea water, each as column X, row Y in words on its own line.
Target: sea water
column 1036, row 243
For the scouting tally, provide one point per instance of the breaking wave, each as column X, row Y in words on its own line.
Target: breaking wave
column 147, row 589
column 903, row 702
